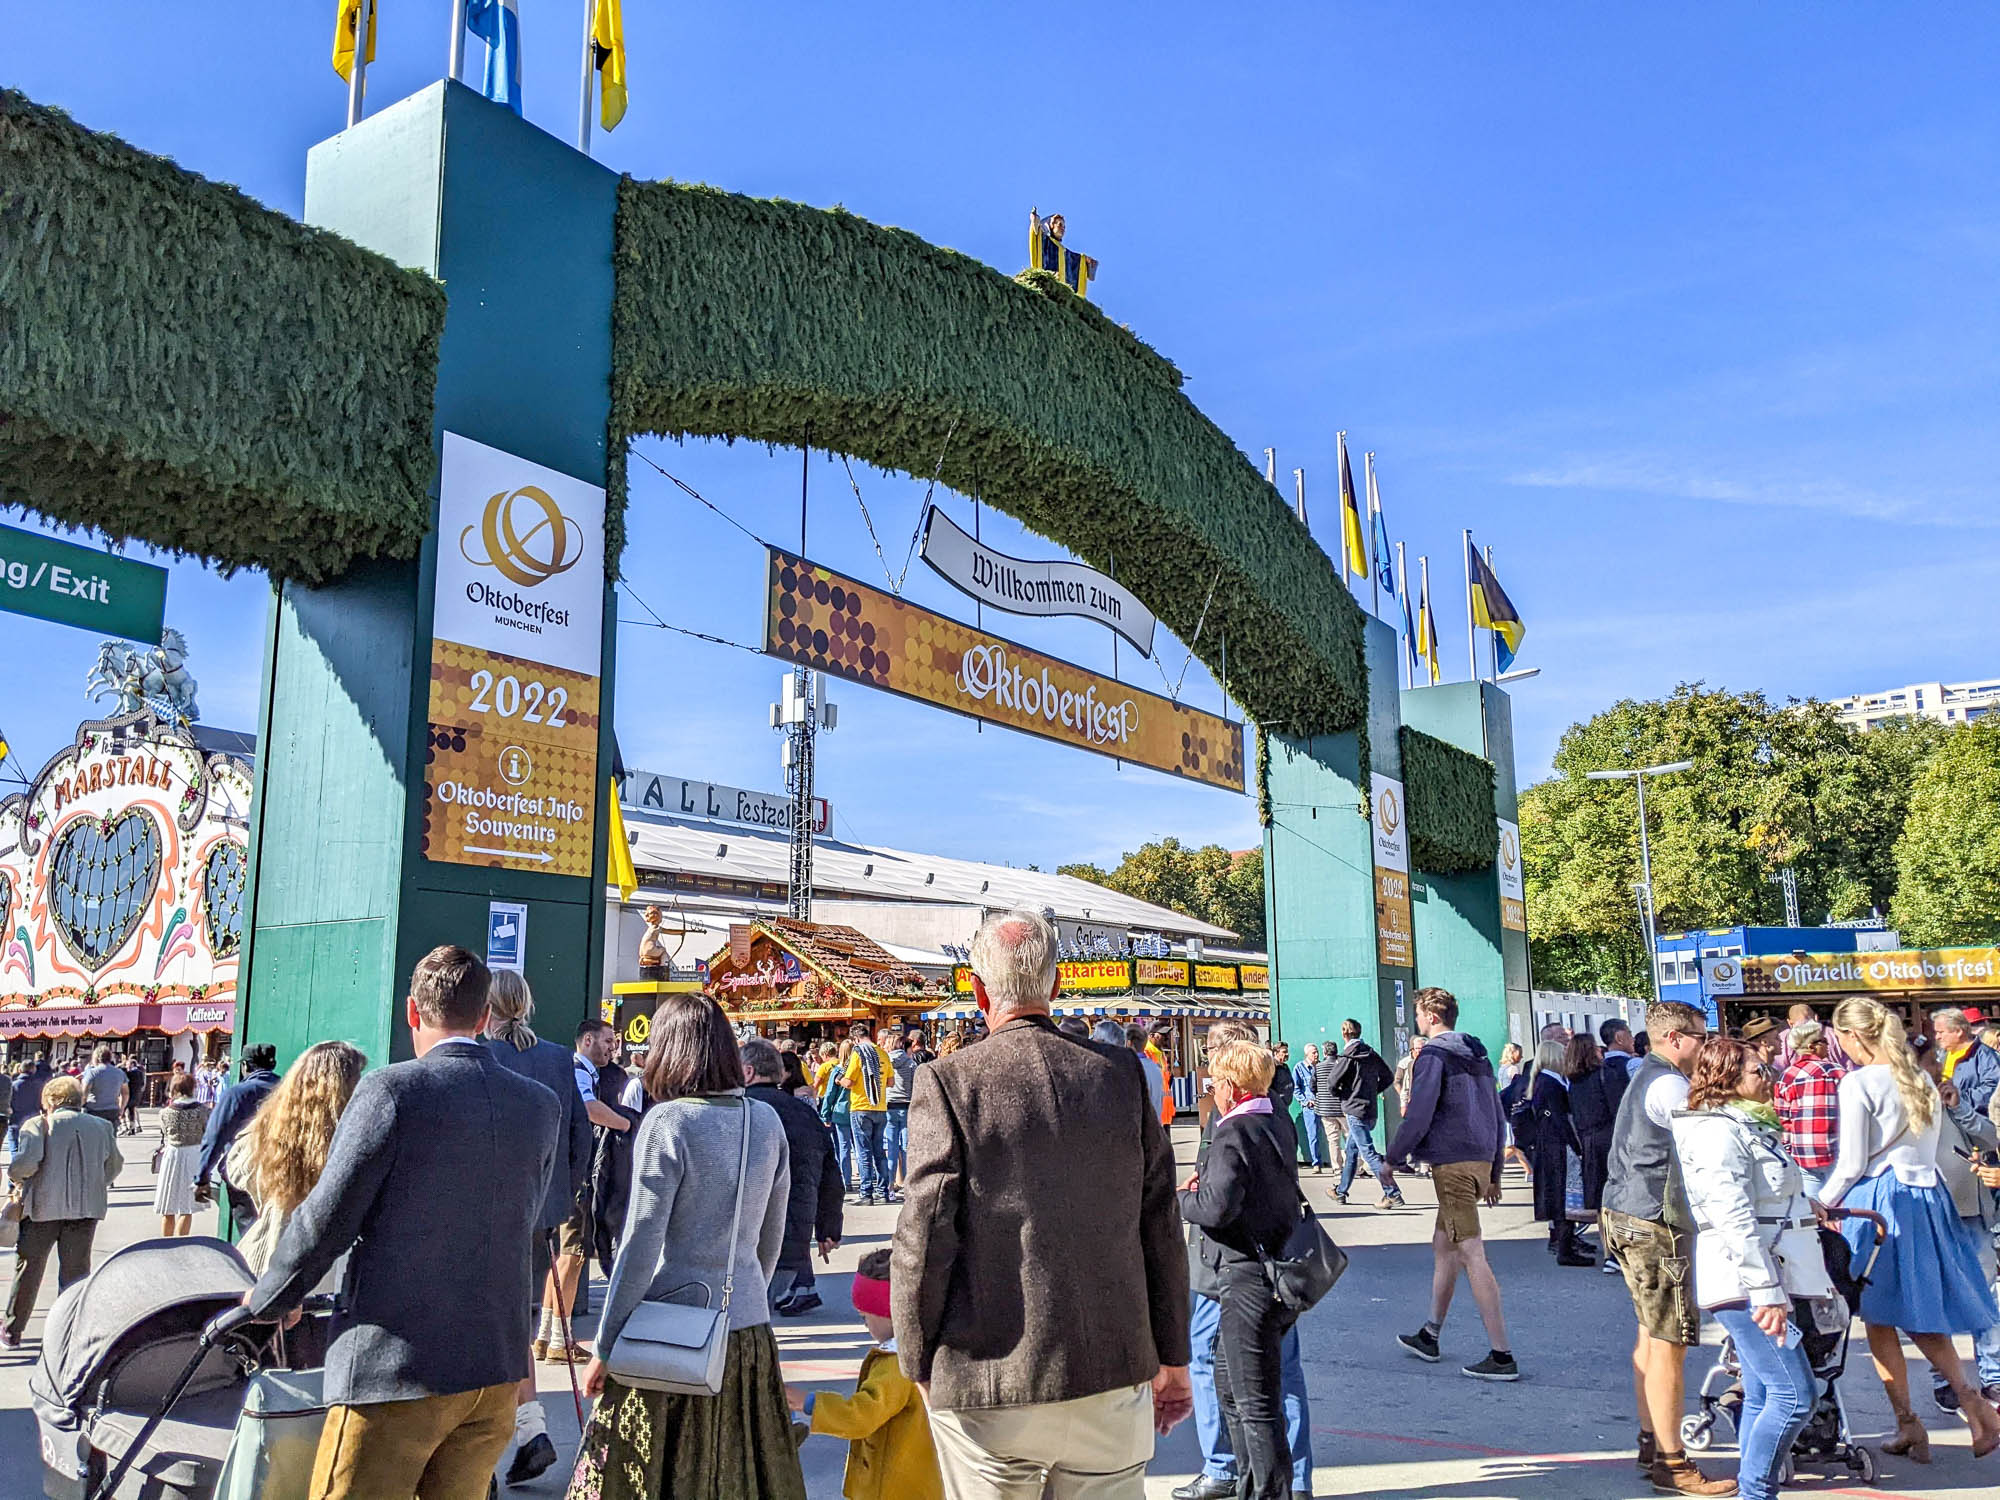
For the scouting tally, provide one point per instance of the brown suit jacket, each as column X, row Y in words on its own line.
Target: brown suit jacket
column 1039, row 1255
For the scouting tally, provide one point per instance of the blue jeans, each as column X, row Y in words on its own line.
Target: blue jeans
column 1360, row 1148
column 1217, row 1461
column 1312, row 1139
column 843, row 1148
column 869, row 1165
column 895, row 1137
column 1778, row 1396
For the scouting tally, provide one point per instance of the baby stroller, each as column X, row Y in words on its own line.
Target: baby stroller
column 143, row 1373
column 1825, row 1324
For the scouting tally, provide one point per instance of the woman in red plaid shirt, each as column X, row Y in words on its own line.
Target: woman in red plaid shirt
column 1808, row 1100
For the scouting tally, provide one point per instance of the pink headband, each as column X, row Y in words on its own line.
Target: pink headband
column 871, row 1296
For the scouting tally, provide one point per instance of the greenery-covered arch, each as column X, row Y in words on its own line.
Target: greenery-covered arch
column 744, row 317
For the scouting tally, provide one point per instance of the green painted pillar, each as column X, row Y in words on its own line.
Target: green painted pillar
column 1320, row 887
column 343, row 897
column 1465, row 940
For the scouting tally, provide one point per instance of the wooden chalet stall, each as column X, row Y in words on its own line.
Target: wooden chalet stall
column 815, row 977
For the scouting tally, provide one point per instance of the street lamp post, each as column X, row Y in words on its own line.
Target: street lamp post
column 1646, row 925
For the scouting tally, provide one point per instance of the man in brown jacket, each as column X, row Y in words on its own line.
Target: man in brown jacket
column 1040, row 1278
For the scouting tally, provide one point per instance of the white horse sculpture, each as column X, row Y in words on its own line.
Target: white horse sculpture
column 140, row 679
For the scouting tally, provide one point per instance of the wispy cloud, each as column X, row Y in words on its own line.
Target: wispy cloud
column 1648, row 474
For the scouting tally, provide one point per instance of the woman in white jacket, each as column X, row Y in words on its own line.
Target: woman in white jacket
column 1756, row 1247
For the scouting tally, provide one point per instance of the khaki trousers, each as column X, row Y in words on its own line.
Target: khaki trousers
column 1093, row 1448
column 434, row 1448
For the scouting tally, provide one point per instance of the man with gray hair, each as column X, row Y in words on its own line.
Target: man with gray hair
column 1039, row 1281
column 1970, row 1066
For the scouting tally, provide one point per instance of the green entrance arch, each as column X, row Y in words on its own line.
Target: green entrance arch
column 180, row 366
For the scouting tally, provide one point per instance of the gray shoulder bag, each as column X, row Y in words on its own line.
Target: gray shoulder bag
column 675, row 1346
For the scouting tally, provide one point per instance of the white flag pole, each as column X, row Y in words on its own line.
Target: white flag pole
column 1374, row 562
column 583, row 104
column 1299, row 483
column 1270, row 466
column 1471, row 630
column 1494, row 635
column 1403, row 593
column 357, row 75
column 456, row 69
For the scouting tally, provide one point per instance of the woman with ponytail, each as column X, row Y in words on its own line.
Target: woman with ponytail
column 1927, row 1281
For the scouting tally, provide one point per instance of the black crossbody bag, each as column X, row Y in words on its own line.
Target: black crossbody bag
column 1307, row 1265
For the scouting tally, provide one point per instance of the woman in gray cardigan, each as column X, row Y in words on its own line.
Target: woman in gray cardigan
column 646, row 1445
column 64, row 1166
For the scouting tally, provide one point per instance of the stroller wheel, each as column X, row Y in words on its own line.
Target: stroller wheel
column 1698, row 1432
column 1862, row 1462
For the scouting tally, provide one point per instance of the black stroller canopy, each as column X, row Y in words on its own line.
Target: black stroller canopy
column 132, row 1285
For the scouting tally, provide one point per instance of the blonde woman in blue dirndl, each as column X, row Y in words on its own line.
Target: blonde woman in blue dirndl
column 1927, row 1280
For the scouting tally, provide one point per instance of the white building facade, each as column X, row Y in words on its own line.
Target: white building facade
column 1946, row 702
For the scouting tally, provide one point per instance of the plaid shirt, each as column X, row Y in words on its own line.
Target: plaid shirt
column 1808, row 1100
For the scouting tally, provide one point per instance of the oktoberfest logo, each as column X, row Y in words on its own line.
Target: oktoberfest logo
column 524, row 536
column 1389, row 811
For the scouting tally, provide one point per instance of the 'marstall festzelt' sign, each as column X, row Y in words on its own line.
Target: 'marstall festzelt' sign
column 80, row 586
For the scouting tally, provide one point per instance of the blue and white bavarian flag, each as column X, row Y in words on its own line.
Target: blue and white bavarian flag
column 496, row 23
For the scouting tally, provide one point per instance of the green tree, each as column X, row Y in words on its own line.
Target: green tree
column 1773, row 785
column 1948, row 857
column 1210, row 883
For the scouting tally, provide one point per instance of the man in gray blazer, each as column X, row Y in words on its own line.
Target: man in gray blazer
column 435, row 1182
column 1039, row 1280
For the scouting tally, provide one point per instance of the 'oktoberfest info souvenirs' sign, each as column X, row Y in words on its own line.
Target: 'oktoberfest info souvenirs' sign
column 517, row 648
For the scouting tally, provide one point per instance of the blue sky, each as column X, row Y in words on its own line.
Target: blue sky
column 1688, row 312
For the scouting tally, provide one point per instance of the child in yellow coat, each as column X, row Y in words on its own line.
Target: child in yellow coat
column 889, row 1455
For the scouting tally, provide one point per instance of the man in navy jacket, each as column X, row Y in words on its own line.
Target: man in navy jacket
column 435, row 1183
column 233, row 1112
column 1453, row 1125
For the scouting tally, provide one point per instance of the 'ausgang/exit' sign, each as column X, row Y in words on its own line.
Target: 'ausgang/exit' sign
column 80, row 586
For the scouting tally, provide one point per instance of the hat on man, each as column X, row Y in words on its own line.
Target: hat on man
column 1976, row 1016
column 1757, row 1027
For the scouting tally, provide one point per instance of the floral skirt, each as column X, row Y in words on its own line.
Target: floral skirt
column 649, row 1445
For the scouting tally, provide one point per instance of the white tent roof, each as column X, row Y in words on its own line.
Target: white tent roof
column 735, row 851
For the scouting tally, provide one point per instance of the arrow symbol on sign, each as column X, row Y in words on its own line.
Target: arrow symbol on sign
column 538, row 858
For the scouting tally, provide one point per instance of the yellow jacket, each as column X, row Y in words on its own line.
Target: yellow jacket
column 889, row 1451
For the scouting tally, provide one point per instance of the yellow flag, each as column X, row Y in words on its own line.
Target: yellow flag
column 346, row 21
column 1353, row 537
column 607, row 55
column 618, row 868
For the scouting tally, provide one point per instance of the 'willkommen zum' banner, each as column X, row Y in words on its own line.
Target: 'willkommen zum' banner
column 820, row 619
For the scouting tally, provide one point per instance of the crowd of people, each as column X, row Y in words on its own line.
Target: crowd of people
column 1715, row 1169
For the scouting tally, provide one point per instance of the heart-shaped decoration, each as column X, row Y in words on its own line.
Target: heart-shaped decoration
column 224, row 874
column 105, row 873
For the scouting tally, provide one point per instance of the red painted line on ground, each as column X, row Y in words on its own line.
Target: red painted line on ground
column 1555, row 1458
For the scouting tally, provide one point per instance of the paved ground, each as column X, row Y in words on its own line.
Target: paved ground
column 1383, row 1423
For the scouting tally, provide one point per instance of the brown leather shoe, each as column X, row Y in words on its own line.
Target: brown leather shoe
column 1674, row 1475
column 1649, row 1449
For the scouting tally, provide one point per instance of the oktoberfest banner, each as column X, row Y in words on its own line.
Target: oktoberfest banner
column 821, row 619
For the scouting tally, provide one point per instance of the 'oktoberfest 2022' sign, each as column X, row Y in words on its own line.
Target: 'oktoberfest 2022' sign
column 516, row 655
column 818, row 618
